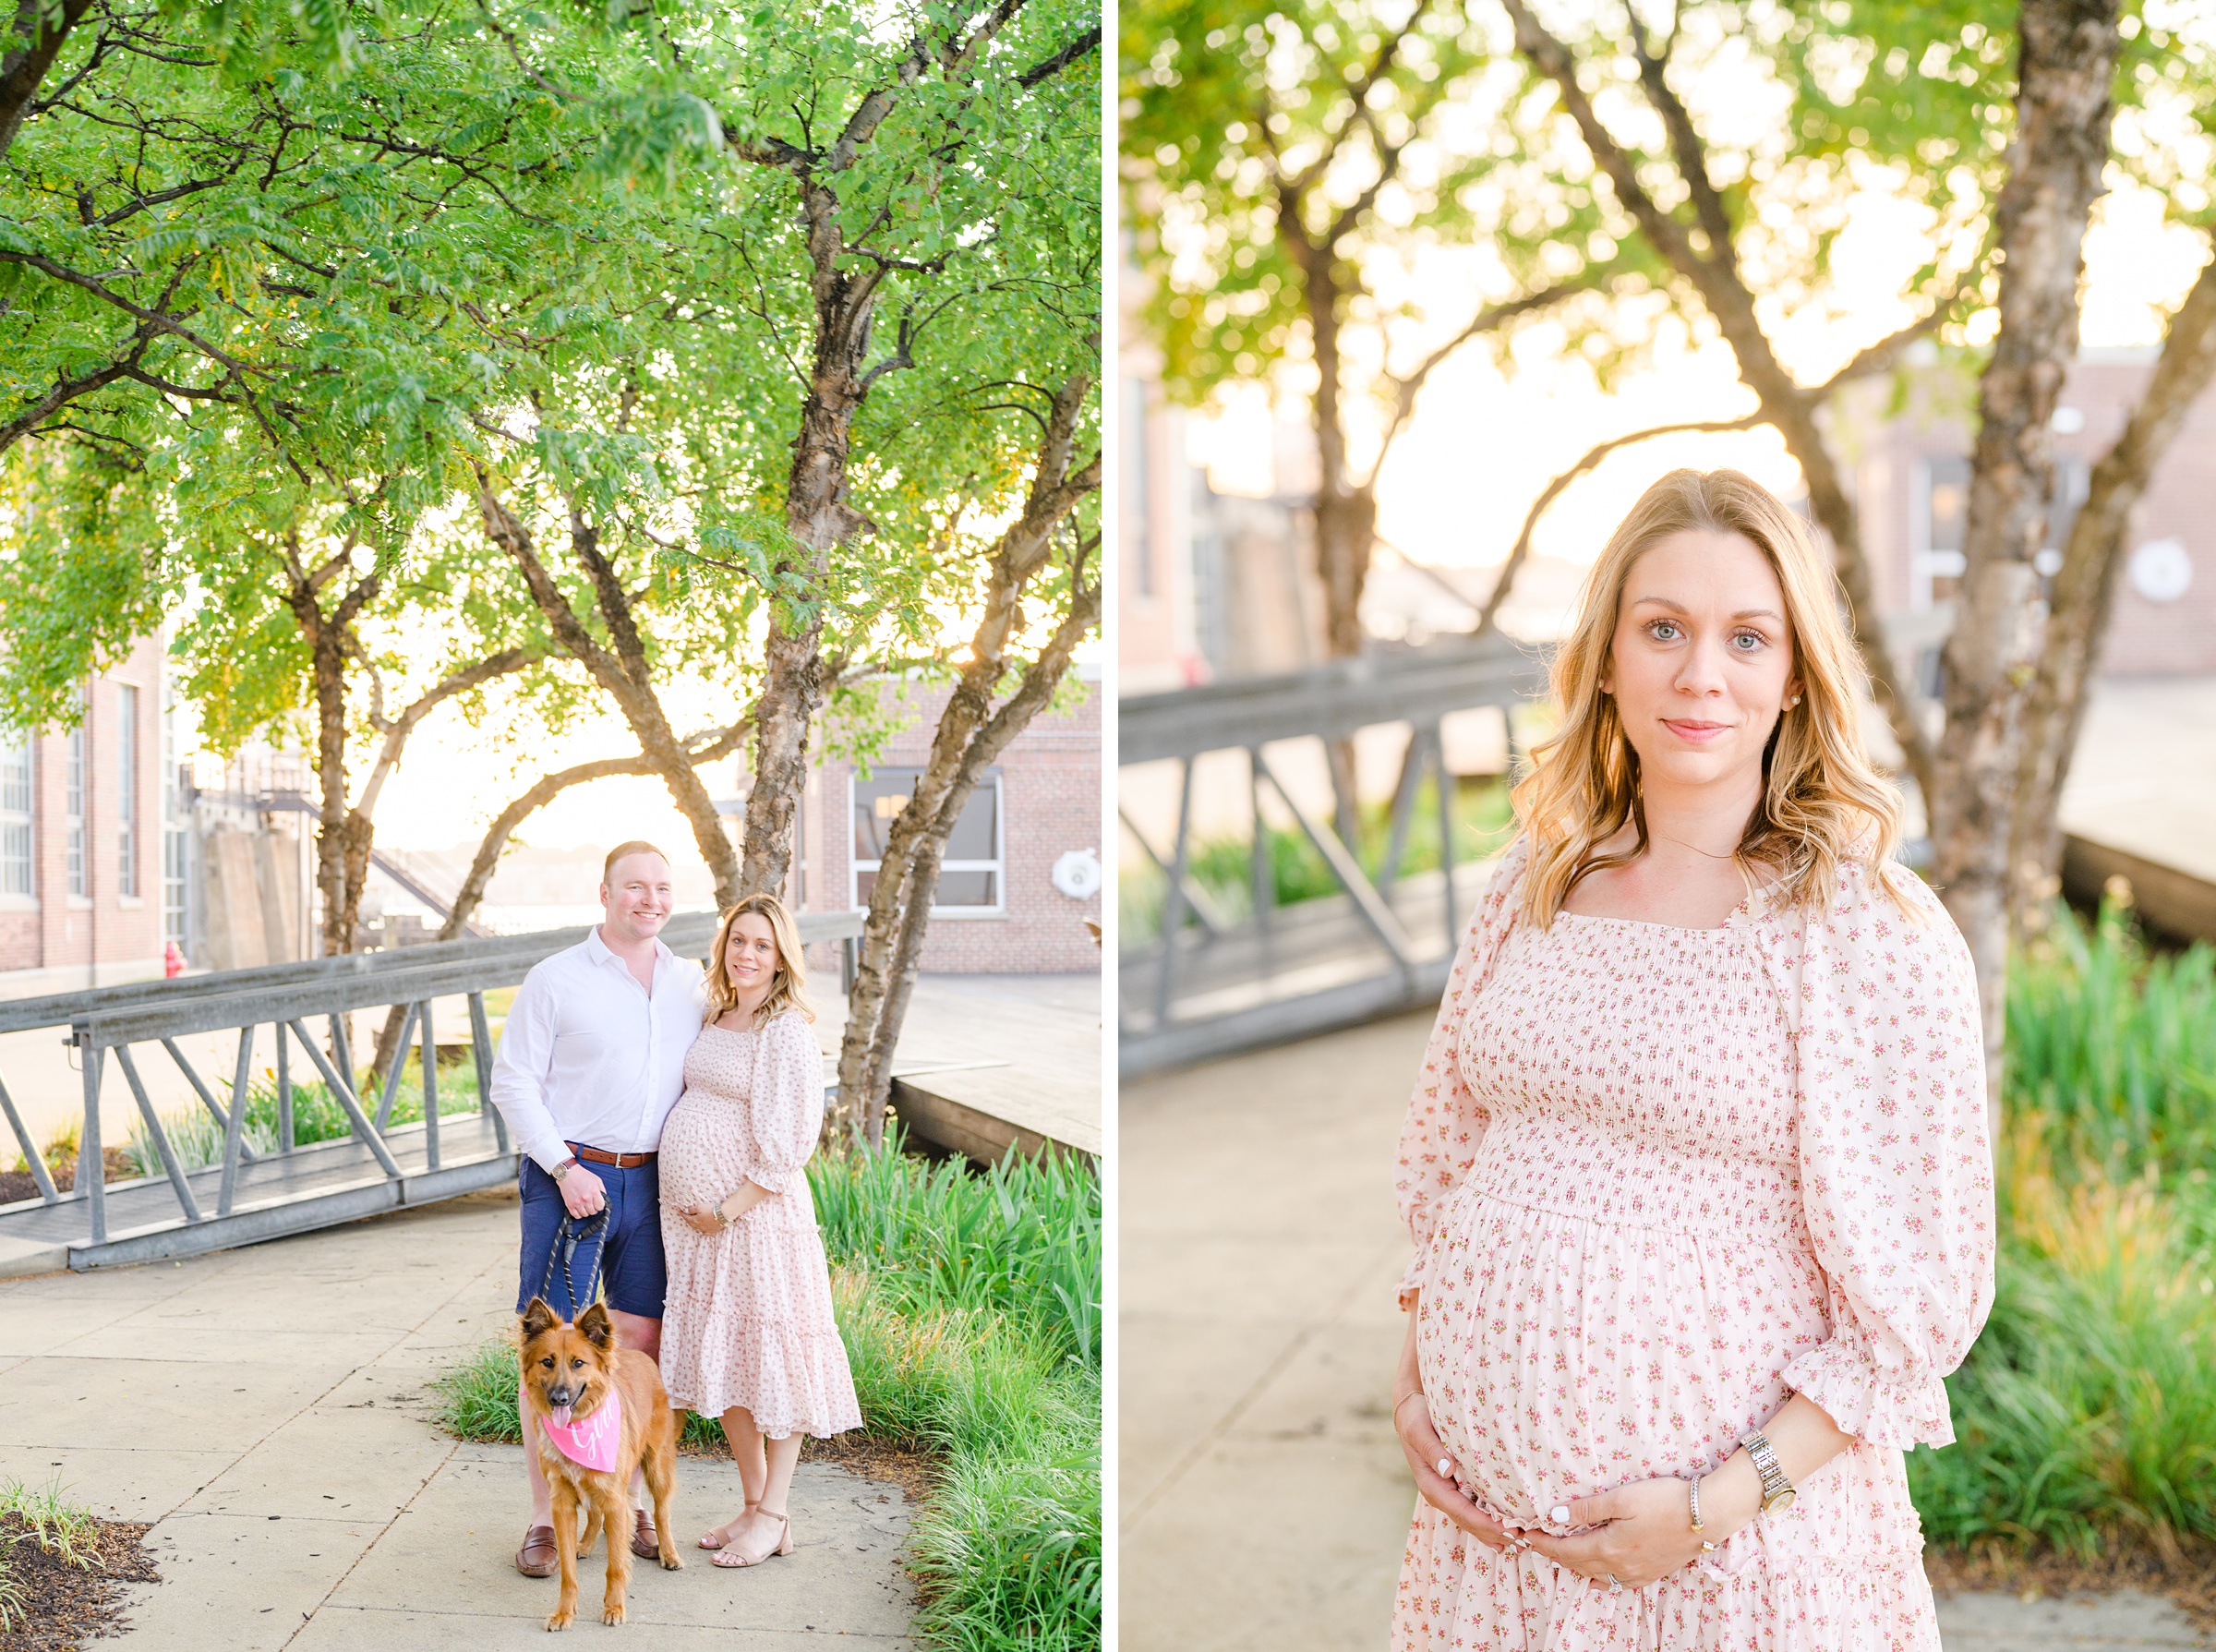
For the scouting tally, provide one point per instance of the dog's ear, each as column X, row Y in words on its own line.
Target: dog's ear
column 538, row 1319
column 596, row 1328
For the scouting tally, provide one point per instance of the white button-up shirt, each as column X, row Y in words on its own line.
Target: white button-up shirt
column 589, row 1056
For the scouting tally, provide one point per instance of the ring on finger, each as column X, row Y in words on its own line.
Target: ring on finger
column 1615, row 1587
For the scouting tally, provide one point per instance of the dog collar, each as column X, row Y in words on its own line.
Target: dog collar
column 591, row 1442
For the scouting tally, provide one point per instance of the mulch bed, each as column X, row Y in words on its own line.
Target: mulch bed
column 18, row 1184
column 2187, row 1578
column 872, row 1459
column 61, row 1606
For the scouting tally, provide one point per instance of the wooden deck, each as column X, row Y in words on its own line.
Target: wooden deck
column 987, row 1063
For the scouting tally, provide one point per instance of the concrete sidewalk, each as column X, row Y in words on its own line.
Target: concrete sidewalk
column 268, row 1409
column 1264, row 1500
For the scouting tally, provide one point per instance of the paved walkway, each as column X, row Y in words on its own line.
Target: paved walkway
column 268, row 1409
column 1264, row 1500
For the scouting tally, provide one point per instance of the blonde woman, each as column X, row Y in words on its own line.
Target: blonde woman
column 746, row 1331
column 1697, row 1168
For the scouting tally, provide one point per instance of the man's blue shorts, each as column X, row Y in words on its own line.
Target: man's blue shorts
column 628, row 1248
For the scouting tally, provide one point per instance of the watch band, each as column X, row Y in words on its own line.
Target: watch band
column 1776, row 1491
column 564, row 1168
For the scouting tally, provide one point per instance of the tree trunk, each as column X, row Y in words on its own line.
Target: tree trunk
column 332, row 846
column 970, row 735
column 819, row 517
column 2065, row 68
column 908, row 877
column 2083, row 596
column 1346, row 510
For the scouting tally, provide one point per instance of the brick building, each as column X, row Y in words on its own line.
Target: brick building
column 1913, row 479
column 1003, row 906
column 92, row 856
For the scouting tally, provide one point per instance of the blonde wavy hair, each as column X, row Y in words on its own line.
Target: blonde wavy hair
column 1823, row 802
column 787, row 986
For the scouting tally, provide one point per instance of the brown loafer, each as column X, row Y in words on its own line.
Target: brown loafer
column 537, row 1557
column 643, row 1543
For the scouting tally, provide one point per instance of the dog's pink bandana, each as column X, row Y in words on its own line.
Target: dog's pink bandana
column 590, row 1444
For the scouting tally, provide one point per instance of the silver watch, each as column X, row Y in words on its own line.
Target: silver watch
column 1776, row 1491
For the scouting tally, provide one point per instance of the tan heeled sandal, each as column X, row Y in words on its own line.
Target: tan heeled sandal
column 713, row 1537
column 730, row 1559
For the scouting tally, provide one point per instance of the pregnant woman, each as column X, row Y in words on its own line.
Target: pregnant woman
column 746, row 1331
column 1697, row 1168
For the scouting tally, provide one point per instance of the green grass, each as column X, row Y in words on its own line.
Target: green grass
column 62, row 1529
column 2086, row 1415
column 970, row 1306
column 1483, row 825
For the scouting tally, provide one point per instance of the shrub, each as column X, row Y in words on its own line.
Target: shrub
column 2086, row 1415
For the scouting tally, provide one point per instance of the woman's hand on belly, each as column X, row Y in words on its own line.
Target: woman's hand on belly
column 1640, row 1533
column 1425, row 1452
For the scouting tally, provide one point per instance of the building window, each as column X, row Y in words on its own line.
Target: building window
column 126, row 789
column 969, row 875
column 173, row 834
column 15, row 816
column 1940, row 561
column 72, row 798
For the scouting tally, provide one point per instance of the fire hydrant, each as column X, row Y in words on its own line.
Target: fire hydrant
column 172, row 960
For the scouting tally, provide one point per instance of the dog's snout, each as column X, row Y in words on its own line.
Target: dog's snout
column 560, row 1394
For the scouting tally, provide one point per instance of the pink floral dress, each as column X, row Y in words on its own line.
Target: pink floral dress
column 747, row 1321
column 1659, row 1179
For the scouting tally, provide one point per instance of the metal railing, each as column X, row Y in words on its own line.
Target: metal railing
column 290, row 1187
column 1206, row 985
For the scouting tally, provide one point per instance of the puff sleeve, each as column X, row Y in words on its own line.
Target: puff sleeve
column 1439, row 1139
column 785, row 1103
column 1896, row 1170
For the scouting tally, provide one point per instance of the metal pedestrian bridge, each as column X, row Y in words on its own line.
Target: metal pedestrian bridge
column 1206, row 985
column 460, row 1145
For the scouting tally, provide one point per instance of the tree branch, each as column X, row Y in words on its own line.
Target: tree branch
column 1521, row 550
column 1490, row 319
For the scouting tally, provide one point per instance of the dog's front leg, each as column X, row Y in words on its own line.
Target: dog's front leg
column 617, row 1516
column 565, row 1547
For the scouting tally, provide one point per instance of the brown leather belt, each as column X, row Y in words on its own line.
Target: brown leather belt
column 593, row 1155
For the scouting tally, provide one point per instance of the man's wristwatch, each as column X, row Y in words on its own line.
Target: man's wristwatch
column 1776, row 1491
column 564, row 1168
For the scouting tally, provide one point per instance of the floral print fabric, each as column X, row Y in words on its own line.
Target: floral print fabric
column 747, row 1321
column 1659, row 1179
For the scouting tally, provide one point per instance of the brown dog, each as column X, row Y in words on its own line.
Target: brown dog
column 570, row 1371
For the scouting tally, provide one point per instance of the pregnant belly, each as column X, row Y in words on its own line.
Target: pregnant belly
column 700, row 1152
column 1565, row 1357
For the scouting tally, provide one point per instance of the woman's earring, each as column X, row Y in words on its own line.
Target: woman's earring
column 1793, row 702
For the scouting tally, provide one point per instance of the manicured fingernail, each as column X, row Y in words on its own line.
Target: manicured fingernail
column 1446, row 1466
column 1559, row 1514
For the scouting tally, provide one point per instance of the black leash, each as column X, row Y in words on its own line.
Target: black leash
column 573, row 1232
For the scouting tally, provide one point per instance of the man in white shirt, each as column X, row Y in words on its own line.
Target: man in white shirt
column 591, row 1061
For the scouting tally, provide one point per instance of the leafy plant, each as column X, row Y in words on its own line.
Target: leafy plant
column 62, row 1529
column 2086, row 1415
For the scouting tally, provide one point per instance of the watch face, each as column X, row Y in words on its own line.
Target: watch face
column 1778, row 1504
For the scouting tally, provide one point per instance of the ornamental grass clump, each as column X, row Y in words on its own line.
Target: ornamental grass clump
column 2086, row 1415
